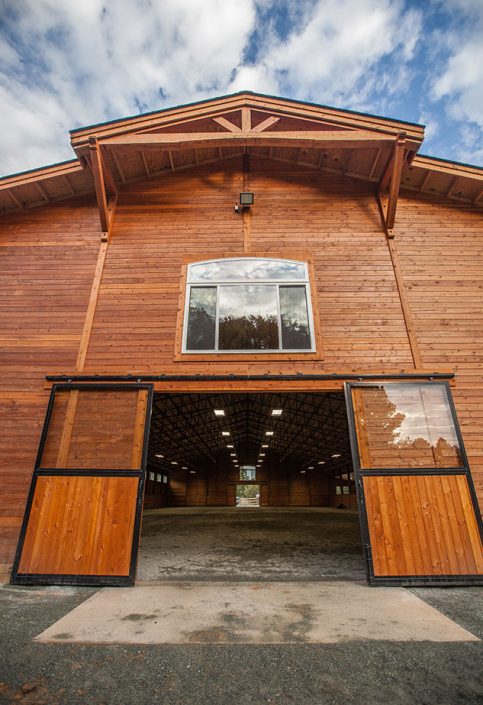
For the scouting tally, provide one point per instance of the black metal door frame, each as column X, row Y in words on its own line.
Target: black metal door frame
column 360, row 473
column 140, row 473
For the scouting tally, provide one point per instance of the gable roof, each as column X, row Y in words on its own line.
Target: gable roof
column 355, row 144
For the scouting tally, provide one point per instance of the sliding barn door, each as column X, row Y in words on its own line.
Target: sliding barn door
column 419, row 514
column 83, row 514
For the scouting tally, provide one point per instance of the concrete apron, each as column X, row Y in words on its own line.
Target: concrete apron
column 253, row 613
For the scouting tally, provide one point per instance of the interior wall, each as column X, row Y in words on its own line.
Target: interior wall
column 215, row 487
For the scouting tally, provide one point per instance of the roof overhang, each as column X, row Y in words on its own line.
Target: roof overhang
column 379, row 150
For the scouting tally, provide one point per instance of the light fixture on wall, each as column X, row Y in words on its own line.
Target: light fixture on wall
column 247, row 199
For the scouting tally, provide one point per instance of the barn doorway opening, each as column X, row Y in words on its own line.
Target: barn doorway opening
column 286, row 455
column 247, row 495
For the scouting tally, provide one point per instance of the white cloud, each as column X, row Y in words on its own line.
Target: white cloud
column 77, row 62
column 462, row 81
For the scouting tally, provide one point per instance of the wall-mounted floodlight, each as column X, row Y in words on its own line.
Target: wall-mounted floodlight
column 247, row 199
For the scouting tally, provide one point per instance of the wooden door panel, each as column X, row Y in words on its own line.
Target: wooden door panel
column 93, row 429
column 80, row 526
column 418, row 510
column 83, row 516
column 420, row 525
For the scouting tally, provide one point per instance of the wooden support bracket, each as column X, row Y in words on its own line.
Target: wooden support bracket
column 102, row 175
column 390, row 183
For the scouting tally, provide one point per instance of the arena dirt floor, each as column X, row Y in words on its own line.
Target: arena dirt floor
column 228, row 543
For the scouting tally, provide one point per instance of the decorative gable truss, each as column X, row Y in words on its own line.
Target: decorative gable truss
column 361, row 146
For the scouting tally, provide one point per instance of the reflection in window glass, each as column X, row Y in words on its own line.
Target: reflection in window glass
column 250, row 304
column 247, row 268
column 405, row 426
column 201, row 319
column 248, row 318
column 294, row 318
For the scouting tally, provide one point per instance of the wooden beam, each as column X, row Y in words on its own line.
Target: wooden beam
column 171, row 160
column 406, row 308
column 403, row 297
column 69, row 185
column 450, row 187
column 375, row 163
column 42, row 192
column 111, row 186
column 246, row 119
column 97, row 172
column 91, row 308
column 475, row 200
column 118, row 167
column 339, row 139
column 14, row 198
column 265, row 124
column 143, row 157
column 425, row 181
column 391, row 179
column 246, row 214
column 230, row 126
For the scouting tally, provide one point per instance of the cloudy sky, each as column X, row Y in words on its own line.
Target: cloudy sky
column 68, row 63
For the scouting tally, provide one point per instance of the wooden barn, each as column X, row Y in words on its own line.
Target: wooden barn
column 245, row 300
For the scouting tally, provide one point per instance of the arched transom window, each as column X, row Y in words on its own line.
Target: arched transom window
column 248, row 304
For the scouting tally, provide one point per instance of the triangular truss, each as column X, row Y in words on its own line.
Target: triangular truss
column 357, row 145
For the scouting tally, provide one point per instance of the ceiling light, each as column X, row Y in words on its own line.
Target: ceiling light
column 173, row 462
column 264, row 445
column 302, row 472
column 321, row 462
column 258, row 466
column 336, row 455
column 277, row 412
column 311, row 467
column 262, row 455
column 230, row 445
column 233, row 455
column 225, row 433
column 158, row 455
column 184, row 467
column 192, row 472
column 219, row 412
column 269, row 433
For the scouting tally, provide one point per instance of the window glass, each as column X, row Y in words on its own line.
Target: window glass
column 201, row 318
column 248, row 317
column 294, row 318
column 248, row 472
column 250, row 304
column 405, row 426
column 247, row 268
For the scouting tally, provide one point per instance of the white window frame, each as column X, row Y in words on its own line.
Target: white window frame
column 234, row 282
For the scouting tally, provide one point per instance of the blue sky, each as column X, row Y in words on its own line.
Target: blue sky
column 68, row 63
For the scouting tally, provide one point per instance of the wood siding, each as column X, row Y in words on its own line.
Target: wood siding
column 440, row 245
column 49, row 257
column 47, row 262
